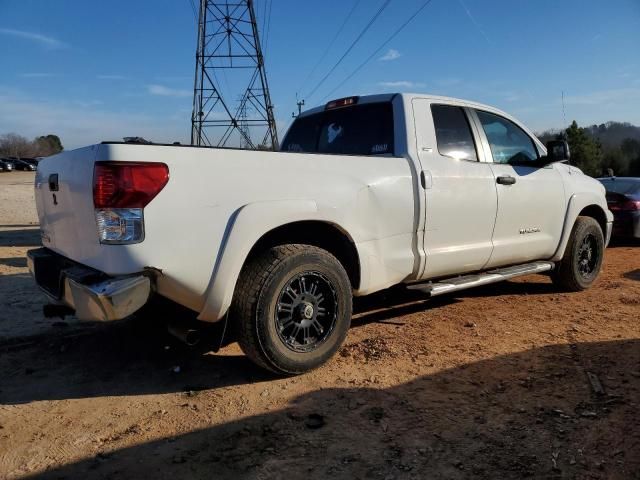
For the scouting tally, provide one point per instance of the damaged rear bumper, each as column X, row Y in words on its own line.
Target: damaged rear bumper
column 93, row 295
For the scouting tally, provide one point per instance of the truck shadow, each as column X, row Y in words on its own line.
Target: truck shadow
column 529, row 414
column 633, row 275
column 23, row 237
column 15, row 262
column 120, row 358
column 132, row 357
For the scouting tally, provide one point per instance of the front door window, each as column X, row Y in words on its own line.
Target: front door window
column 509, row 143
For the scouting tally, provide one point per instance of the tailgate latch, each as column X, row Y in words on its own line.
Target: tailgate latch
column 53, row 182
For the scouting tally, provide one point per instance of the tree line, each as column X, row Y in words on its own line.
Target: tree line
column 14, row 145
column 598, row 150
column 611, row 148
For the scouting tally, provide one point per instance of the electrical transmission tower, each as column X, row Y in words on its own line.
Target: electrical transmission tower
column 228, row 44
column 243, row 126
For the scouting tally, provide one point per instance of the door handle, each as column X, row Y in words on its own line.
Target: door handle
column 506, row 180
column 425, row 179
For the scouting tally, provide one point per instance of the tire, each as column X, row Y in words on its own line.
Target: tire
column 583, row 257
column 292, row 308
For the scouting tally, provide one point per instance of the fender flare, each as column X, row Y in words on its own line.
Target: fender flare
column 577, row 203
column 246, row 226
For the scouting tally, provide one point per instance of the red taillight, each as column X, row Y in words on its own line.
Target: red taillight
column 628, row 206
column 127, row 184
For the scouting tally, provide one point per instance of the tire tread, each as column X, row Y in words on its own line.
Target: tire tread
column 253, row 277
column 564, row 276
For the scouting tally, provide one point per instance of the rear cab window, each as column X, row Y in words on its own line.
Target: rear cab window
column 361, row 129
column 453, row 133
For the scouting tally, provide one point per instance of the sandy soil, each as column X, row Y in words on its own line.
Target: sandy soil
column 20, row 300
column 509, row 381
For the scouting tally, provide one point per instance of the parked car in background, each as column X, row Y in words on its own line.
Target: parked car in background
column 32, row 161
column 623, row 199
column 6, row 165
column 21, row 164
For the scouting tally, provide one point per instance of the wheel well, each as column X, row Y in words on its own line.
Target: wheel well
column 319, row 234
column 596, row 212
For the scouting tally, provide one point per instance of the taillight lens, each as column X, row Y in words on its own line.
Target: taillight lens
column 127, row 184
column 628, row 206
column 121, row 190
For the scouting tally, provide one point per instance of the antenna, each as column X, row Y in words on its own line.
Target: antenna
column 228, row 43
column 564, row 117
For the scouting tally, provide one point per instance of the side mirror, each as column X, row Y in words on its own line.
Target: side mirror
column 558, row 151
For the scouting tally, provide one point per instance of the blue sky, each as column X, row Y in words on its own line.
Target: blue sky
column 90, row 70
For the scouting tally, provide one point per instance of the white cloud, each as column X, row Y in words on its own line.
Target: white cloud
column 175, row 78
column 44, row 40
column 84, row 123
column 605, row 97
column 401, row 84
column 167, row 92
column 110, row 77
column 449, row 81
column 391, row 54
column 37, row 75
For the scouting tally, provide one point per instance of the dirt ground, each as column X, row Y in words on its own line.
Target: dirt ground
column 509, row 381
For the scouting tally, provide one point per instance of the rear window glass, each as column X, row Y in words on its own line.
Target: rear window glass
column 453, row 133
column 625, row 187
column 357, row 130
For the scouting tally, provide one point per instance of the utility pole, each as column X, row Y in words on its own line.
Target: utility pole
column 300, row 104
column 229, row 44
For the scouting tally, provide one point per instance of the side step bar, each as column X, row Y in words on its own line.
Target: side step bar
column 475, row 280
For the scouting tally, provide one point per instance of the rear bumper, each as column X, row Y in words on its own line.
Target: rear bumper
column 626, row 225
column 93, row 295
column 607, row 237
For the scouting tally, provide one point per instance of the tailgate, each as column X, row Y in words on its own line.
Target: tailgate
column 64, row 199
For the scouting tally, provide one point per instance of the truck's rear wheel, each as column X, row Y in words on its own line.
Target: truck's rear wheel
column 292, row 308
column 583, row 256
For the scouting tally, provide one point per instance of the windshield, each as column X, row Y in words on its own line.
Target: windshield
column 357, row 130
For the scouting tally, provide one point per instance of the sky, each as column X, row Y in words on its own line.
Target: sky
column 100, row 70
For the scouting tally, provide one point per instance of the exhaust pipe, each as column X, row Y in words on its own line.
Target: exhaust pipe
column 187, row 335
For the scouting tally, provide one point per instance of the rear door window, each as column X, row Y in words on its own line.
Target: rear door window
column 453, row 132
column 355, row 130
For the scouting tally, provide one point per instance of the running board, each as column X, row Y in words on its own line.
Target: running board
column 492, row 276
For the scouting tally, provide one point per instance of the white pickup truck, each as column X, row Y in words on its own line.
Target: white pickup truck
column 436, row 193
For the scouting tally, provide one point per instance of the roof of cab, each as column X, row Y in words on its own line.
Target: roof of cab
column 387, row 97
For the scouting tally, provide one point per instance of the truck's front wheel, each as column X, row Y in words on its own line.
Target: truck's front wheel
column 292, row 308
column 583, row 256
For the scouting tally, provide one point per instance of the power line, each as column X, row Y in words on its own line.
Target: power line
column 353, row 44
column 335, row 37
column 384, row 44
column 266, row 35
column 195, row 11
column 264, row 14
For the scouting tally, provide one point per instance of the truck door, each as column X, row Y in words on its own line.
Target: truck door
column 531, row 198
column 459, row 189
